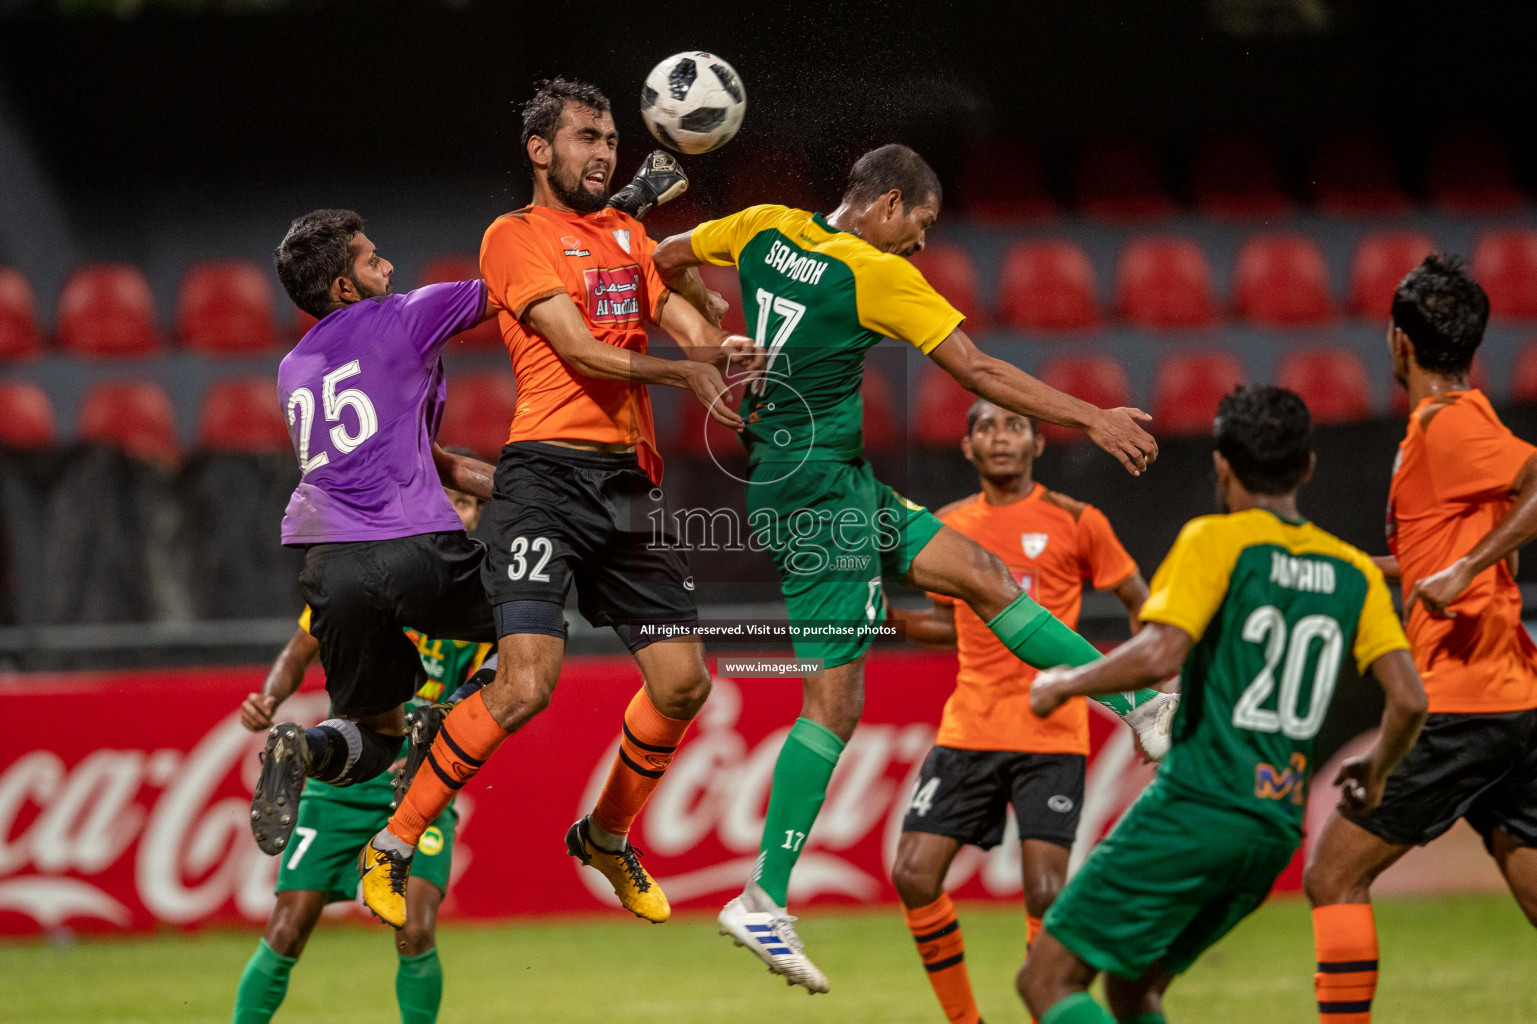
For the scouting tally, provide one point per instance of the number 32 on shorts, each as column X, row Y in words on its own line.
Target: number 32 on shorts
column 525, row 553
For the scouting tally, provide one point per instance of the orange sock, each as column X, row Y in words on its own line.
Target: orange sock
column 468, row 738
column 645, row 750
column 1032, row 929
column 938, row 935
column 1345, row 937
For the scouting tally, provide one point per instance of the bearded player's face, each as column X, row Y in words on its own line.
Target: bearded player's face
column 582, row 158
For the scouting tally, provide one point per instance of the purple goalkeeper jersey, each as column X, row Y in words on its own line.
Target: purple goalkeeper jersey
column 363, row 393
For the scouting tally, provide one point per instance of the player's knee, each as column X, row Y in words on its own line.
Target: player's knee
column 517, row 694
column 414, row 940
column 1324, row 884
column 686, row 695
column 286, row 935
column 1041, row 893
column 915, row 884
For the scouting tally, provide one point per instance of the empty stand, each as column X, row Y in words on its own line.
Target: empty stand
column 106, row 309
column 300, row 323
column 1505, row 263
column 18, row 317
column 1165, row 282
column 1333, row 382
column 462, row 268
column 1354, row 175
column 1098, row 380
column 1003, row 181
column 135, row 416
column 1049, row 286
column 242, row 415
column 1523, row 377
column 1381, row 261
column 948, row 268
column 1470, row 173
column 26, row 415
column 479, row 411
column 942, row 406
column 1281, row 281
column 225, row 308
column 1121, row 181
column 1188, row 387
column 1237, row 178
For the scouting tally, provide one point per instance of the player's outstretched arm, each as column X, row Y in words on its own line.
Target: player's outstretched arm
column 678, row 267
column 463, row 473
column 1402, row 715
column 1117, row 431
column 1153, row 655
column 559, row 322
column 283, row 678
column 704, row 342
column 1516, row 530
column 927, row 627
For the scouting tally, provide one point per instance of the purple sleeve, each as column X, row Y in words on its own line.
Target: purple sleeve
column 436, row 312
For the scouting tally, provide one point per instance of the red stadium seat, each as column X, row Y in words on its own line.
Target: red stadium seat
column 1120, row 181
column 1353, row 175
column 1165, row 282
column 1333, row 382
column 462, row 268
column 942, row 406
column 1001, row 181
column 725, row 281
column 1049, row 286
column 242, row 415
column 882, row 424
column 1381, row 261
column 225, row 308
column 1505, row 263
column 1470, row 173
column 1098, row 380
column 135, row 416
column 18, row 317
column 948, row 268
column 479, row 411
column 1237, row 178
column 1188, row 387
column 1281, row 281
column 26, row 415
column 1523, row 379
column 106, row 309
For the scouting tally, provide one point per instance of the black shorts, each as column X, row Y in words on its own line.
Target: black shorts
column 559, row 515
column 965, row 794
column 362, row 593
column 1482, row 767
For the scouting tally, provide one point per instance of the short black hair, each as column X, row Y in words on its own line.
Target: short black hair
column 893, row 167
column 1266, row 435
column 541, row 115
column 975, row 413
column 316, row 251
column 1443, row 311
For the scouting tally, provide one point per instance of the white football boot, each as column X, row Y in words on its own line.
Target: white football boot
column 757, row 922
column 1153, row 723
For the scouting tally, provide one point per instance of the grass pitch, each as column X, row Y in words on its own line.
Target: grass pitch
column 1444, row 959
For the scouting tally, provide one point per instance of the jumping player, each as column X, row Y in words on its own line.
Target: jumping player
column 992, row 750
column 574, row 284
column 1463, row 502
column 1257, row 608
column 822, row 291
column 334, row 822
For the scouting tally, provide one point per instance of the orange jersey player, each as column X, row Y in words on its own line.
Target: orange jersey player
column 1462, row 503
column 992, row 750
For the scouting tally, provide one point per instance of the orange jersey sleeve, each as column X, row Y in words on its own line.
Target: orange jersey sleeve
column 1105, row 561
column 517, row 265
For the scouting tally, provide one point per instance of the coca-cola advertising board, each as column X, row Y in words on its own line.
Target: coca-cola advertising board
column 124, row 797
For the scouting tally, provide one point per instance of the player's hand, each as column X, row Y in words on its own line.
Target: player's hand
column 715, row 307
column 1361, row 784
column 1048, row 691
column 1438, row 590
column 704, row 380
column 256, row 711
column 742, row 354
column 659, row 180
column 1117, row 432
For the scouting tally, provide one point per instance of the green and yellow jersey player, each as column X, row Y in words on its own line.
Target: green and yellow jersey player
column 334, row 822
column 1258, row 608
column 820, row 291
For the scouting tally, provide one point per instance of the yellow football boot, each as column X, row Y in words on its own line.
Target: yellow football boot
column 637, row 890
column 382, row 876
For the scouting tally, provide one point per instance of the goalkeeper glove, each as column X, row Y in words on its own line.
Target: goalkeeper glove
column 659, row 180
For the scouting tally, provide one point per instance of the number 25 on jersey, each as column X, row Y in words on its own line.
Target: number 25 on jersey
column 301, row 416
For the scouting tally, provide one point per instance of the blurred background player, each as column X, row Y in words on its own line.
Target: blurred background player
column 1256, row 607
column 574, row 285
column 829, row 288
column 334, row 822
column 992, row 751
column 1462, row 504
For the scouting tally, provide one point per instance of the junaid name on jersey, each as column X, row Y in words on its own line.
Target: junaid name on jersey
column 795, row 265
column 1305, row 574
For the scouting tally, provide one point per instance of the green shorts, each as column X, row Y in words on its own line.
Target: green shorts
column 323, row 856
column 834, row 531
column 1172, row 878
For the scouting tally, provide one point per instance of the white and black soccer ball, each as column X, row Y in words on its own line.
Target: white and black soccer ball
column 693, row 102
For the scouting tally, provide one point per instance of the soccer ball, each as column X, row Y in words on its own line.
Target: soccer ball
column 693, row 102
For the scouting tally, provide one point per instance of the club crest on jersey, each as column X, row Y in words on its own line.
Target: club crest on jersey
column 1033, row 543
column 622, row 236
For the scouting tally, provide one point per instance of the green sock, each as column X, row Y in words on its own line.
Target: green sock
column 263, row 984
column 419, row 987
column 801, row 774
column 1149, row 1018
column 1041, row 640
column 1079, row 1008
